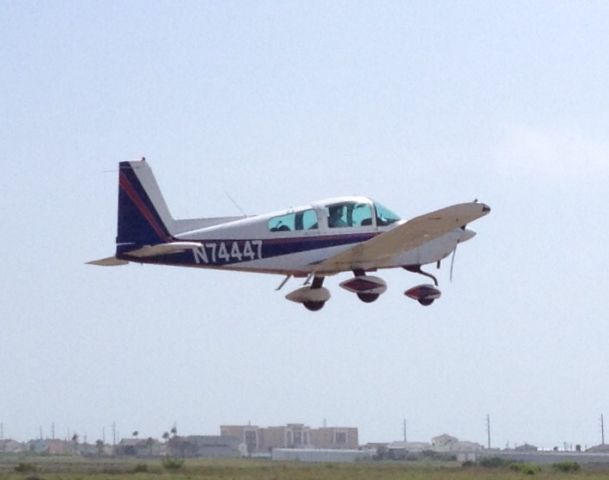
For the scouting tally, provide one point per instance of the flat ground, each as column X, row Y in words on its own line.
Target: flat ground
column 77, row 468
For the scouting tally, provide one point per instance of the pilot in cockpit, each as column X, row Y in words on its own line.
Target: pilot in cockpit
column 335, row 218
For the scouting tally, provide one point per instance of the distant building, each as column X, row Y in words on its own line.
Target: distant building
column 293, row 435
column 410, row 447
column 335, row 437
column 526, row 448
column 465, row 446
column 398, row 450
column 448, row 443
column 248, row 435
column 321, row 455
column 140, row 447
column 219, row 446
column 443, row 443
column 602, row 448
column 50, row 446
column 11, row 446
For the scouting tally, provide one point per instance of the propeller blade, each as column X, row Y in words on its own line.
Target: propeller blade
column 452, row 263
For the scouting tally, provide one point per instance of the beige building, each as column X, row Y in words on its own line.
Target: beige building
column 293, row 435
column 335, row 437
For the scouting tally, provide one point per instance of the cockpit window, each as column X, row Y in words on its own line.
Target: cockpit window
column 349, row 214
column 304, row 220
column 384, row 216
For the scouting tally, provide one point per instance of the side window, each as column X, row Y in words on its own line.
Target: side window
column 362, row 215
column 339, row 215
column 349, row 214
column 283, row 223
column 304, row 220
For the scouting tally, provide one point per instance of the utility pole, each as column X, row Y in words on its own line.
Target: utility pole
column 114, row 434
column 405, row 432
column 1, row 431
column 53, row 431
column 488, row 430
column 602, row 430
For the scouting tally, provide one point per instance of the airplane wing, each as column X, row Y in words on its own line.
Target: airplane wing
column 148, row 251
column 404, row 237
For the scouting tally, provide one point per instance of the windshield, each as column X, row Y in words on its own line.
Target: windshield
column 384, row 216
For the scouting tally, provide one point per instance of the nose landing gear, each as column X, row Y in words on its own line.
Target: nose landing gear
column 424, row 294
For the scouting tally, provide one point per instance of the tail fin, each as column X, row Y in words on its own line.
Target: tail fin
column 143, row 216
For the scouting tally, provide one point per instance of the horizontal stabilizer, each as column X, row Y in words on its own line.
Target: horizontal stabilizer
column 164, row 249
column 108, row 262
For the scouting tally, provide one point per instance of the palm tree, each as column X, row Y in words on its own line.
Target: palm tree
column 150, row 444
column 99, row 445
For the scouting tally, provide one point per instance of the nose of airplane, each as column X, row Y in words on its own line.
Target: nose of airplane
column 467, row 235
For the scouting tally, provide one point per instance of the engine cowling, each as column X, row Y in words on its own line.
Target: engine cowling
column 365, row 284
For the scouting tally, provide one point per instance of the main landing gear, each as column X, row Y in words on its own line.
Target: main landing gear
column 368, row 297
column 368, row 288
column 315, row 305
column 313, row 297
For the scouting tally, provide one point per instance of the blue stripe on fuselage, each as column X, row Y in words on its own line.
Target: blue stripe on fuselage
column 220, row 252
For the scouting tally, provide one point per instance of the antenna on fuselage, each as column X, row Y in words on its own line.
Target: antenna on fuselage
column 235, row 203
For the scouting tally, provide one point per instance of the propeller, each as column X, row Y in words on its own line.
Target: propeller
column 452, row 263
column 452, row 258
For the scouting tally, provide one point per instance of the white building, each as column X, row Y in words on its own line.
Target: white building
column 320, row 455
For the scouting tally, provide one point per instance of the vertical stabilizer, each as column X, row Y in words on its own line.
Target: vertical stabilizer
column 143, row 216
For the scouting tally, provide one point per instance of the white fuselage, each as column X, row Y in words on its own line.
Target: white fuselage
column 253, row 244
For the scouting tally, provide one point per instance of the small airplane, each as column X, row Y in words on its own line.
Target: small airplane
column 327, row 237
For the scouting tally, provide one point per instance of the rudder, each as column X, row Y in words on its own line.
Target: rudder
column 143, row 216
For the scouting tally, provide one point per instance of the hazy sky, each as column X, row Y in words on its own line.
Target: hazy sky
column 417, row 104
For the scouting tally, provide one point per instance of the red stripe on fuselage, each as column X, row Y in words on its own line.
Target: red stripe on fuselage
column 141, row 206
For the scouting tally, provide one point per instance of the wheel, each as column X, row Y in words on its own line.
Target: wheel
column 426, row 301
column 367, row 297
column 314, row 306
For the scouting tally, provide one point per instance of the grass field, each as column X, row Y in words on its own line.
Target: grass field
column 77, row 468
